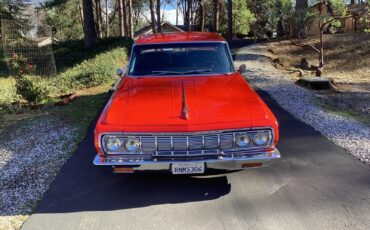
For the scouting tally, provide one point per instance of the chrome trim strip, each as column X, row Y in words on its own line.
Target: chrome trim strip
column 187, row 145
column 224, row 162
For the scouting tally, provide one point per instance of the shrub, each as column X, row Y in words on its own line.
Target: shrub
column 98, row 68
column 92, row 72
column 18, row 65
column 32, row 88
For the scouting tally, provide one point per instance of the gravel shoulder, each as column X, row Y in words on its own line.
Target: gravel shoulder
column 31, row 154
column 303, row 103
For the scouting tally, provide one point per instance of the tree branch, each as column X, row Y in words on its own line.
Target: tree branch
column 305, row 45
column 333, row 19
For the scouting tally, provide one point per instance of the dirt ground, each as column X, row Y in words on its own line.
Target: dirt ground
column 347, row 61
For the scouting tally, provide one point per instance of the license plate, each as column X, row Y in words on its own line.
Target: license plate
column 188, row 168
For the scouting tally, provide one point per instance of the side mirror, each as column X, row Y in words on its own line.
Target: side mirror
column 242, row 68
column 233, row 56
column 120, row 72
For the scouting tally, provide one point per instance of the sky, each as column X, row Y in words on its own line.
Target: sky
column 169, row 12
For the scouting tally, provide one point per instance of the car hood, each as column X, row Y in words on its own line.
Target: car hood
column 184, row 104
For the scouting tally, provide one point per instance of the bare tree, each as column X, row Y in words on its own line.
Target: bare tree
column 230, row 19
column 130, row 24
column 98, row 20
column 322, row 23
column 89, row 24
column 159, row 29
column 201, row 15
column 216, row 15
column 125, row 23
column 152, row 16
column 120, row 19
column 106, row 19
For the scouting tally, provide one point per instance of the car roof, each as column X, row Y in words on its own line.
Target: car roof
column 180, row 37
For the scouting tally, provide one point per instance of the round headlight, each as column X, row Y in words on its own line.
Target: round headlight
column 132, row 144
column 242, row 140
column 261, row 138
column 113, row 144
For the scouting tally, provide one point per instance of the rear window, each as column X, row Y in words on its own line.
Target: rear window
column 180, row 59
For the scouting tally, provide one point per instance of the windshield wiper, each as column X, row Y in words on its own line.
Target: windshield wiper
column 198, row 71
column 165, row 72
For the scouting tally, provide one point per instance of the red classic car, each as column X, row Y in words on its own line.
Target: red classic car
column 182, row 107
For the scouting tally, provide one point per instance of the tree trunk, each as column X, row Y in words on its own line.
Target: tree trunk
column 81, row 17
column 187, row 14
column 120, row 19
column 177, row 13
column 191, row 18
column 159, row 29
column 230, row 19
column 320, row 69
column 89, row 25
column 106, row 19
column 280, row 23
column 152, row 16
column 97, row 17
column 125, row 24
column 299, row 29
column 280, row 28
column 201, row 15
column 216, row 15
column 321, row 56
column 130, row 25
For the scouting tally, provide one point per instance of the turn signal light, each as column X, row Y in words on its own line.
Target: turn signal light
column 123, row 170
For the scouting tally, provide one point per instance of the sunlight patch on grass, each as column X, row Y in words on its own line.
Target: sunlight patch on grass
column 7, row 90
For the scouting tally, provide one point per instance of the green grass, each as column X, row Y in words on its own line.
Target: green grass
column 362, row 118
column 84, row 109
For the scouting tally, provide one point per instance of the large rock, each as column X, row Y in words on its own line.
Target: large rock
column 279, row 63
column 317, row 83
column 305, row 64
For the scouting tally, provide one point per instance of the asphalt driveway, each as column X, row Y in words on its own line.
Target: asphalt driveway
column 316, row 185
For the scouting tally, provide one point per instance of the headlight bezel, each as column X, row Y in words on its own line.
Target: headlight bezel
column 252, row 134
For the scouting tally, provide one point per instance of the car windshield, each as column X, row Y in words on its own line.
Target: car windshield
column 180, row 59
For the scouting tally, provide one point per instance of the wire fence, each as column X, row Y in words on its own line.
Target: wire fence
column 28, row 47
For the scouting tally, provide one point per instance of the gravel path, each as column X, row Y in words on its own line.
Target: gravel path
column 343, row 131
column 31, row 154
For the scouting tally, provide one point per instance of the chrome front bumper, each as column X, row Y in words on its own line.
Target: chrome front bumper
column 234, row 162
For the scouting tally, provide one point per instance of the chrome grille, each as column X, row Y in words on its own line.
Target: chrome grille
column 186, row 145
